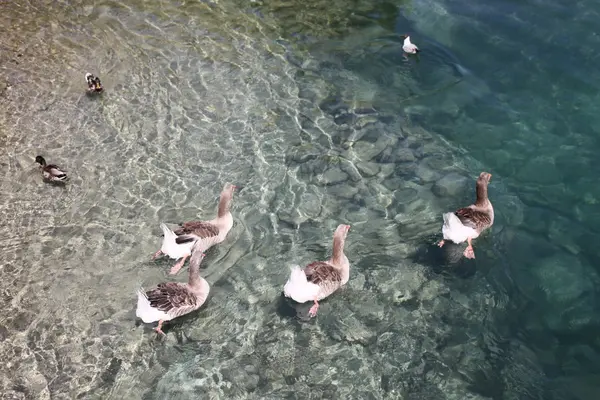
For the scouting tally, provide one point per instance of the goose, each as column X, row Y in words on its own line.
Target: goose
column 177, row 244
column 466, row 224
column 320, row 279
column 93, row 82
column 408, row 46
column 51, row 172
column 173, row 299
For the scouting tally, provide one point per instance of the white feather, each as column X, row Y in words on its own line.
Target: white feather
column 455, row 231
column 170, row 246
column 148, row 313
column 408, row 46
column 298, row 288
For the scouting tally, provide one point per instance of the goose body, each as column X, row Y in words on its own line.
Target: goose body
column 409, row 47
column 467, row 223
column 173, row 299
column 320, row 279
column 171, row 248
column 93, row 82
column 204, row 233
column 51, row 172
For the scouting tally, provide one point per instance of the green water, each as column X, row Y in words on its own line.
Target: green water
column 313, row 111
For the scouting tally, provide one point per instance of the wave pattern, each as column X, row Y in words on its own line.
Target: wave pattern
column 199, row 94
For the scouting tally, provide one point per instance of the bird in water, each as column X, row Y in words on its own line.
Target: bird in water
column 408, row 46
column 51, row 172
column 173, row 299
column 466, row 224
column 177, row 244
column 94, row 84
column 320, row 279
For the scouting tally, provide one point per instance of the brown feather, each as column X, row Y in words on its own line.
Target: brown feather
column 171, row 295
column 319, row 272
column 474, row 218
column 198, row 228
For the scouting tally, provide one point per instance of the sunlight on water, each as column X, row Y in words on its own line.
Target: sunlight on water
column 319, row 121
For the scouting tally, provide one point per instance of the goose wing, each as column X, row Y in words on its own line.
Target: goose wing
column 320, row 272
column 195, row 230
column 173, row 298
column 474, row 218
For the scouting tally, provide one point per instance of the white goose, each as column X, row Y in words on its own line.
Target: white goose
column 173, row 299
column 177, row 244
column 408, row 46
column 319, row 279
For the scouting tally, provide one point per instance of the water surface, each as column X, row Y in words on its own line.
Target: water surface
column 313, row 111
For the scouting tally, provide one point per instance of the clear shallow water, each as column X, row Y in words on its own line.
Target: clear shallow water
column 314, row 112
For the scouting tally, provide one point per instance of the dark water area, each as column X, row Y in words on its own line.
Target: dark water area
column 313, row 110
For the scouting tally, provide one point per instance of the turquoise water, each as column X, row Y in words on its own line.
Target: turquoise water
column 313, row 111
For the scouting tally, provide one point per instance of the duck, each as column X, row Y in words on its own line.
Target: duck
column 408, row 46
column 177, row 244
column 320, row 279
column 94, row 84
column 467, row 223
column 51, row 172
column 173, row 299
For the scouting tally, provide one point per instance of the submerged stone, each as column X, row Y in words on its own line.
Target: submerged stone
column 450, row 185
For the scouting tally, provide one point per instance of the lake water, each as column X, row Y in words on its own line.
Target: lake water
column 311, row 108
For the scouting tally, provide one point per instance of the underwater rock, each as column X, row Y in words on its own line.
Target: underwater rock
column 569, row 288
column 540, row 170
column 367, row 168
column 333, row 176
column 425, row 173
column 365, row 151
column 310, row 205
column 450, row 185
column 350, row 169
column 345, row 119
column 346, row 327
column 343, row 191
column 404, row 154
column 303, row 153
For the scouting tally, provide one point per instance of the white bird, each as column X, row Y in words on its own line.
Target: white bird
column 177, row 244
column 319, row 279
column 173, row 299
column 408, row 46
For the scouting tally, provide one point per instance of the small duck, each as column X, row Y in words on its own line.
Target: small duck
column 94, row 84
column 51, row 172
column 469, row 222
column 319, row 279
column 177, row 244
column 408, row 46
column 173, row 299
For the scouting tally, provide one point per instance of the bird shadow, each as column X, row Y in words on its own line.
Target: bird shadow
column 446, row 260
column 288, row 308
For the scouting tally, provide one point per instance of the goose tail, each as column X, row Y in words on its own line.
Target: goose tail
column 298, row 288
column 454, row 230
column 145, row 311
